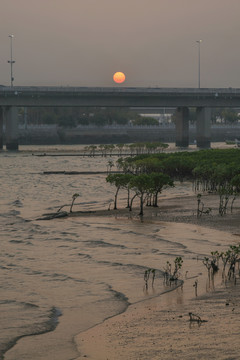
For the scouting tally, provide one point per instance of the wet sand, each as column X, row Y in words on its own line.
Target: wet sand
column 152, row 330
column 180, row 209
column 159, row 328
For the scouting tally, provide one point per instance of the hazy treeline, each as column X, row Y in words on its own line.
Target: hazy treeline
column 74, row 116
column 133, row 149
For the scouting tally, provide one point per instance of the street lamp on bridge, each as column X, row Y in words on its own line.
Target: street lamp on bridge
column 199, row 62
column 11, row 61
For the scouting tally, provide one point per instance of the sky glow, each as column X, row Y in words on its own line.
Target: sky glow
column 84, row 42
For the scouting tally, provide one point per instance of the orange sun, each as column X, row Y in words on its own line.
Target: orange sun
column 119, row 77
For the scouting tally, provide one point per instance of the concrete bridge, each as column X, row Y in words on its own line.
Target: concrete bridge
column 180, row 98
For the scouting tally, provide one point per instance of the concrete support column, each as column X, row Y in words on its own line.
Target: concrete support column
column 203, row 127
column 182, row 127
column 1, row 127
column 11, row 115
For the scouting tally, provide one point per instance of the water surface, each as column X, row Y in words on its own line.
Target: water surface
column 63, row 276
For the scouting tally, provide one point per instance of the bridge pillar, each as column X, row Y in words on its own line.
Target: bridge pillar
column 1, row 127
column 11, row 115
column 182, row 127
column 203, row 128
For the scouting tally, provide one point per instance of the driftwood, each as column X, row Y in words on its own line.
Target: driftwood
column 62, row 214
column 63, row 172
column 196, row 318
column 51, row 216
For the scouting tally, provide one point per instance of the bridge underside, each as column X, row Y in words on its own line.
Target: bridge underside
column 181, row 98
column 203, row 132
column 203, row 129
column 1, row 127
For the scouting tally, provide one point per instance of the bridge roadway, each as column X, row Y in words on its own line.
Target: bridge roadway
column 119, row 96
column 181, row 98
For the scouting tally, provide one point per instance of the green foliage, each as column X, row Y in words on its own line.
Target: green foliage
column 120, row 148
column 235, row 183
column 110, row 164
column 221, row 177
column 141, row 185
column 120, row 181
column 200, row 207
column 159, row 181
column 233, row 258
column 140, row 148
column 225, row 115
column 179, row 166
column 212, row 171
column 145, row 120
column 172, row 271
column 215, row 171
column 230, row 258
column 71, row 117
column 212, row 262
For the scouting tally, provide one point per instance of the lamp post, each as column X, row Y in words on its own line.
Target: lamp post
column 199, row 62
column 11, row 61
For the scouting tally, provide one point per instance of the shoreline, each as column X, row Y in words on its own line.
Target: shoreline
column 159, row 328
column 174, row 209
column 152, row 330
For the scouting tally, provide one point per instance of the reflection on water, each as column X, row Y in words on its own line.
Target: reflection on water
column 69, row 274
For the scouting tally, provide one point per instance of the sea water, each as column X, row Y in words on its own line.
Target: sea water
column 60, row 277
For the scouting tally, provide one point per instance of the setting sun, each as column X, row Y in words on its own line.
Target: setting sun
column 119, row 77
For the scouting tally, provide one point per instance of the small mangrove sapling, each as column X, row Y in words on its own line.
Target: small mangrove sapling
column 110, row 164
column 73, row 199
column 177, row 266
column 195, row 285
column 233, row 260
column 200, row 207
column 173, row 275
column 147, row 274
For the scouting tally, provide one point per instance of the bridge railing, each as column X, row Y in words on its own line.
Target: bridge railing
column 149, row 90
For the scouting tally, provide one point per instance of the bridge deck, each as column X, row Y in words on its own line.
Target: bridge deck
column 118, row 96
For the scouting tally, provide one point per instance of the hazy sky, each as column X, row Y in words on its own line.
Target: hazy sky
column 83, row 42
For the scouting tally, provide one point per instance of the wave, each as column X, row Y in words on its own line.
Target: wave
column 119, row 296
column 17, row 241
column 34, row 327
column 101, row 243
column 14, row 212
column 84, row 256
column 17, row 203
column 135, row 267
